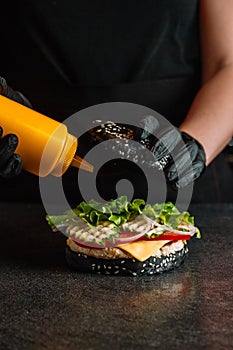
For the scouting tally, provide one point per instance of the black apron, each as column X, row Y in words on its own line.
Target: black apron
column 66, row 56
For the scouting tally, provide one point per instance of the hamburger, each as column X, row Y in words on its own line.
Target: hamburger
column 122, row 237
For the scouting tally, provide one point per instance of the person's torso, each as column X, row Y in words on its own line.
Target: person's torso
column 103, row 51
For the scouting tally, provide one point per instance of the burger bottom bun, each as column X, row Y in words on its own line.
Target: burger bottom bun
column 127, row 266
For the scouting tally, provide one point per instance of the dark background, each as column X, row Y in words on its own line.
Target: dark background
column 65, row 61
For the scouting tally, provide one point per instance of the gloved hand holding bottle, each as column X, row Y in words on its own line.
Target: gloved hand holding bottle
column 10, row 163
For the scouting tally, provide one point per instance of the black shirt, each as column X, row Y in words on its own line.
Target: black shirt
column 69, row 55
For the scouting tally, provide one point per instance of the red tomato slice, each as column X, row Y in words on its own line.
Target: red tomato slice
column 167, row 236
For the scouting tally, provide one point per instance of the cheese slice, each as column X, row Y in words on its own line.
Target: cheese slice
column 142, row 250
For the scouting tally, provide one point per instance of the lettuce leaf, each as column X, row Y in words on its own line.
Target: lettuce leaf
column 164, row 213
column 120, row 210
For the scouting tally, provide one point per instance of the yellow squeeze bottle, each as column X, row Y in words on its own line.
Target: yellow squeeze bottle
column 44, row 144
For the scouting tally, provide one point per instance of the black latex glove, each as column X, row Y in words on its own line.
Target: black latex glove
column 8, row 92
column 180, row 156
column 10, row 163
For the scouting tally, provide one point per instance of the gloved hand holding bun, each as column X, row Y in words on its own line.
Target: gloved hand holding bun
column 180, row 156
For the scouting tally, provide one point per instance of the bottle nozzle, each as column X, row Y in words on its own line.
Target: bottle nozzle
column 80, row 163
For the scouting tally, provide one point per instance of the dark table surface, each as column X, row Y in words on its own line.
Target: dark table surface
column 45, row 305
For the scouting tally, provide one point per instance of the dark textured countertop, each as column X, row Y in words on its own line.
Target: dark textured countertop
column 44, row 305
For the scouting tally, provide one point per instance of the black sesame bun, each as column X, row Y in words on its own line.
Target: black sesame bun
column 114, row 261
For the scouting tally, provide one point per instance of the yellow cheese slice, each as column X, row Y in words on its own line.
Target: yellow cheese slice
column 142, row 250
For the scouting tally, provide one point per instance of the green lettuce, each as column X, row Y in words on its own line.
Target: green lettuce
column 117, row 211
column 120, row 210
column 167, row 214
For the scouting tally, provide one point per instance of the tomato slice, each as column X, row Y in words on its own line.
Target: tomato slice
column 167, row 236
